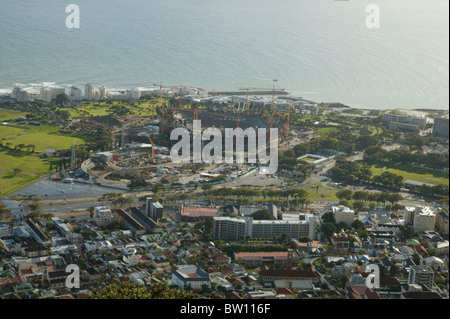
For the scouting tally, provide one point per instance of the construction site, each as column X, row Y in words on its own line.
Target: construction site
column 142, row 156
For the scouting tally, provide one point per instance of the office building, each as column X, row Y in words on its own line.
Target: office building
column 421, row 275
column 103, row 216
column 154, row 209
column 441, row 126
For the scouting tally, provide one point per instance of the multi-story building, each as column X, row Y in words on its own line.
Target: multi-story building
column 88, row 91
column 198, row 213
column 421, row 275
column 36, row 232
column 101, row 93
column 20, row 95
column 154, row 209
column 75, row 94
column 424, row 219
column 130, row 223
column 103, row 216
column 49, row 94
column 45, row 95
column 441, row 126
column 271, row 275
column 409, row 215
column 190, row 276
column 61, row 226
column 275, row 259
column 405, row 122
column 226, row 227
column 343, row 214
column 442, row 222
column 149, row 223
column 4, row 230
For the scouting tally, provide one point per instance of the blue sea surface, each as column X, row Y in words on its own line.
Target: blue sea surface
column 318, row 49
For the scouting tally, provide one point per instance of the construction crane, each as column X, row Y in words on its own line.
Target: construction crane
column 286, row 126
column 153, row 147
column 256, row 89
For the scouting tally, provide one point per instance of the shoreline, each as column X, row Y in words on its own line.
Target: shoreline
column 33, row 89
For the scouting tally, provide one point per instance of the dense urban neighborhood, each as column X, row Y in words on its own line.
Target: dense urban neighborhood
column 92, row 205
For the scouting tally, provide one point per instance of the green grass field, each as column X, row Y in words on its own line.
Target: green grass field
column 6, row 114
column 324, row 194
column 414, row 173
column 142, row 108
column 31, row 165
column 326, row 131
column 43, row 137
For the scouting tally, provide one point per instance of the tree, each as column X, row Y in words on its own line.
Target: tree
column 130, row 290
column 328, row 218
column 344, row 194
column 17, row 171
column 328, row 229
column 206, row 186
column 262, row 214
column 60, row 98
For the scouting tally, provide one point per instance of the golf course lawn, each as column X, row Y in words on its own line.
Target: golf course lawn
column 7, row 114
column 414, row 173
column 143, row 108
column 30, row 164
column 44, row 137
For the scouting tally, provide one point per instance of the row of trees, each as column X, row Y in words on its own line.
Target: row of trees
column 377, row 155
column 344, row 140
column 117, row 198
column 353, row 172
column 19, row 147
column 371, row 197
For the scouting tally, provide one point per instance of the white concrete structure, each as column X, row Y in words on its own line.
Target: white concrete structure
column 189, row 275
column 226, row 227
column 103, row 216
column 88, row 92
column 45, row 95
column 343, row 214
column 424, row 219
column 102, row 93
column 75, row 94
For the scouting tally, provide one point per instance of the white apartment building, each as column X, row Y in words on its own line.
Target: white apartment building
column 20, row 95
column 343, row 214
column 227, row 227
column 101, row 93
column 49, row 94
column 45, row 95
column 88, row 92
column 75, row 94
column 424, row 219
column 103, row 216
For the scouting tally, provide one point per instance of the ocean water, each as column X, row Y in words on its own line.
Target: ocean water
column 318, row 49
